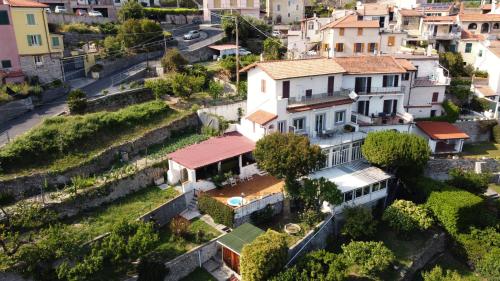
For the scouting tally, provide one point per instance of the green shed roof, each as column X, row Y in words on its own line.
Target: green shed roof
column 240, row 236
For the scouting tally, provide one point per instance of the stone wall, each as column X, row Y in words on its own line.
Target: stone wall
column 15, row 108
column 113, row 65
column 182, row 265
column 202, row 54
column 433, row 247
column 50, row 70
column 24, row 186
column 74, row 38
column 439, row 168
column 277, row 209
column 473, row 129
column 314, row 240
column 119, row 100
column 163, row 214
column 70, row 18
column 228, row 111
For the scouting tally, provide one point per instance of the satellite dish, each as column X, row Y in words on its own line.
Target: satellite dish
column 353, row 95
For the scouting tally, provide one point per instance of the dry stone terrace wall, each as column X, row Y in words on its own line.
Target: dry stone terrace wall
column 473, row 129
column 163, row 214
column 439, row 168
column 119, row 100
column 24, row 186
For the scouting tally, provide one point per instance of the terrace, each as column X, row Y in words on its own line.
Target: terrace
column 310, row 99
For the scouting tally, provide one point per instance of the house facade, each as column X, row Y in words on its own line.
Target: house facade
column 284, row 11
column 442, row 137
column 10, row 66
column 214, row 9
column 488, row 59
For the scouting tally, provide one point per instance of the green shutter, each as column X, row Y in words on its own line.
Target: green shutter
column 4, row 18
column 55, row 41
column 31, row 19
column 39, row 39
column 30, row 43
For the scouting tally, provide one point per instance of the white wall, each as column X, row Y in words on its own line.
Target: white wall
column 419, row 101
column 469, row 58
column 256, row 99
column 228, row 111
column 491, row 63
column 332, row 37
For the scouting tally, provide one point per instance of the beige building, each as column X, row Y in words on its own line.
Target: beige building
column 284, row 11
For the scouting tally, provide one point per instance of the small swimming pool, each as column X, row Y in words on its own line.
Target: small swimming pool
column 235, row 201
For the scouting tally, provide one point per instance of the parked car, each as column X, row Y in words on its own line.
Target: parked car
column 81, row 12
column 95, row 13
column 193, row 34
column 60, row 10
column 244, row 52
column 196, row 20
column 276, row 33
column 48, row 10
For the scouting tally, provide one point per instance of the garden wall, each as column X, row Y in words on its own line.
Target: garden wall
column 243, row 213
column 24, row 186
column 201, row 54
column 433, row 247
column 111, row 66
column 473, row 129
column 74, row 38
column 69, row 18
column 439, row 168
column 314, row 240
column 228, row 111
column 182, row 265
column 163, row 214
column 15, row 108
column 119, row 100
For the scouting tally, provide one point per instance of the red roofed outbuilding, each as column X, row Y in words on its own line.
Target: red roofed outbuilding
column 443, row 137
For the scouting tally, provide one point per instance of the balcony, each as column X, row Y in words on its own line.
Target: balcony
column 379, row 90
column 382, row 119
column 318, row 98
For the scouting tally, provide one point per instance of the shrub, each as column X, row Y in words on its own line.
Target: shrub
column 359, row 223
column 496, row 133
column 215, row 89
column 481, row 74
column 264, row 257
column 112, row 45
column 262, row 216
column 489, row 266
column 311, row 217
column 479, row 104
column 370, row 258
column 406, row 216
column 173, row 61
column 437, row 274
column 130, row 10
column 455, row 209
column 477, row 244
column 452, row 113
column 152, row 268
column 161, row 13
column 220, row 212
column 469, row 180
column 77, row 101
column 179, row 226
column 159, row 86
column 185, row 85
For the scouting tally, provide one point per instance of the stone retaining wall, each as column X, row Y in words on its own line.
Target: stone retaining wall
column 473, row 129
column 24, row 186
column 163, row 214
column 439, row 168
column 111, row 66
column 277, row 210
column 74, row 38
column 70, row 18
column 433, row 247
column 119, row 100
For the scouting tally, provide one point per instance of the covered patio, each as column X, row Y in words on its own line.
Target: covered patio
column 443, row 137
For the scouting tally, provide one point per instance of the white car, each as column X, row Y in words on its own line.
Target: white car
column 60, row 10
column 244, row 52
column 193, row 34
column 95, row 14
column 276, row 33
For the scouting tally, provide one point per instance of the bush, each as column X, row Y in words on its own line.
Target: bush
column 131, row 10
column 173, row 61
column 437, row 274
column 310, row 217
column 185, row 85
column 59, row 136
column 112, row 45
column 489, row 266
column 264, row 257
column 422, row 187
column 160, row 13
column 77, row 101
column 152, row 268
column 159, row 86
column 406, row 216
column 452, row 112
column 455, row 209
column 220, row 212
column 496, row 133
column 179, row 226
column 481, row 74
column 370, row 258
column 262, row 216
column 215, row 89
column 479, row 105
column 359, row 223
column 81, row 28
column 477, row 244
column 133, row 33
column 469, row 180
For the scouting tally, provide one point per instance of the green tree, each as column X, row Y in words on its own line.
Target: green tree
column 406, row 216
column 369, row 258
column 288, row 156
column 322, row 265
column 184, row 85
column 315, row 191
column 130, row 10
column 77, row 101
column 264, row 257
column 359, row 223
column 404, row 154
column 173, row 61
column 438, row 274
column 469, row 180
column 159, row 86
column 112, row 45
column 215, row 89
column 273, row 50
column 453, row 62
column 135, row 32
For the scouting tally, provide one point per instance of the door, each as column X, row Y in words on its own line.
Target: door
column 331, row 83
column 286, row 89
column 394, row 106
column 369, row 85
column 364, row 107
column 435, row 31
column 309, row 93
column 320, row 123
column 360, row 85
column 381, row 21
column 387, row 106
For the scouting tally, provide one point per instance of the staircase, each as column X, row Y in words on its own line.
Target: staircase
column 191, row 211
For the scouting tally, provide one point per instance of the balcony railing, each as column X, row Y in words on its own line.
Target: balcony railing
column 448, row 36
column 399, row 118
column 318, row 98
column 379, row 90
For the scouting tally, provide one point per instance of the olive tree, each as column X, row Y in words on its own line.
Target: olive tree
column 370, row 258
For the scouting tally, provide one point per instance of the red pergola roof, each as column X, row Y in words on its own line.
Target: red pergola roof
column 212, row 150
column 441, row 130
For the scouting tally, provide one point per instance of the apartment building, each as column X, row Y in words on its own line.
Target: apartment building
column 488, row 59
column 476, row 28
column 40, row 52
column 213, row 9
column 10, row 66
column 442, row 32
column 285, row 11
column 306, row 41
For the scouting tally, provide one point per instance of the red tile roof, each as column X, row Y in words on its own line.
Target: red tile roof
column 441, row 130
column 262, row 117
column 479, row 17
column 352, row 21
column 370, row 64
column 467, row 35
column 26, row 4
column 212, row 150
column 410, row 13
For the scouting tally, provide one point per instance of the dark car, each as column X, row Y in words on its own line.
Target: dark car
column 196, row 21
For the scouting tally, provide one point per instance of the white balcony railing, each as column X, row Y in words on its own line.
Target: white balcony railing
column 318, row 98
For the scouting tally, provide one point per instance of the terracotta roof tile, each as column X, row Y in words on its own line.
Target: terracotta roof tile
column 479, row 17
column 212, row 150
column 440, row 18
column 467, row 35
column 286, row 69
column 370, row 64
column 441, row 130
column 406, row 64
column 25, row 3
column 374, row 10
column 352, row 21
column 411, row 13
column 261, row 117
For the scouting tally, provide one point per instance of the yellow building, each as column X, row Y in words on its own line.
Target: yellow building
column 40, row 52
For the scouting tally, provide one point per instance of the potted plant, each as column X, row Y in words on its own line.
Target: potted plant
column 95, row 70
column 349, row 128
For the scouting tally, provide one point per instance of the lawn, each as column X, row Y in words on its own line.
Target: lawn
column 495, row 187
column 199, row 274
column 483, row 149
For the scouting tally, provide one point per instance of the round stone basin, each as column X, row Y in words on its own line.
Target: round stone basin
column 292, row 228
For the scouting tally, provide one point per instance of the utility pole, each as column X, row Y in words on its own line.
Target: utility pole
column 237, row 56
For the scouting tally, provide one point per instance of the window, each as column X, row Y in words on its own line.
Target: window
column 310, row 25
column 472, row 26
column 468, row 47
column 406, row 22
column 390, row 106
column 282, row 126
column 263, row 86
column 296, row 7
column 31, row 19
column 390, row 81
column 38, row 60
column 376, row 187
column 391, row 40
column 372, row 47
column 4, row 18
column 359, row 192
column 55, row 41
column 364, row 107
column 285, row 91
column 288, row 14
column 366, row 190
column 6, row 64
column 339, row 47
column 341, row 31
column 278, row 8
column 360, row 31
column 496, row 25
column 433, row 113
column 405, row 76
column 358, row 47
column 435, row 96
column 309, row 92
column 348, row 196
column 480, row 54
column 288, row 3
column 34, row 40
column 299, row 123
column 339, row 117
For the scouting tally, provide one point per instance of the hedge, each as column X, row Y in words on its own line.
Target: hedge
column 477, row 243
column 496, row 133
column 154, row 13
column 422, row 187
column 456, row 209
column 452, row 113
column 469, row 180
column 59, row 136
column 220, row 212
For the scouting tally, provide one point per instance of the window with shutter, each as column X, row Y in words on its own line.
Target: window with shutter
column 341, row 31
column 29, row 38
column 55, row 41
column 360, row 31
column 391, row 40
column 435, row 96
column 30, row 19
column 340, row 47
column 263, row 86
column 4, row 18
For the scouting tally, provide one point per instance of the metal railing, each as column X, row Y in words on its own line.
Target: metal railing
column 318, row 98
column 379, row 90
column 122, row 76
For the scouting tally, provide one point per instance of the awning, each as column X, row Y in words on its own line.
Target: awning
column 239, row 237
column 352, row 176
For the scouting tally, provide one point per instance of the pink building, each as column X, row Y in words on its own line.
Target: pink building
column 213, row 9
column 10, row 67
